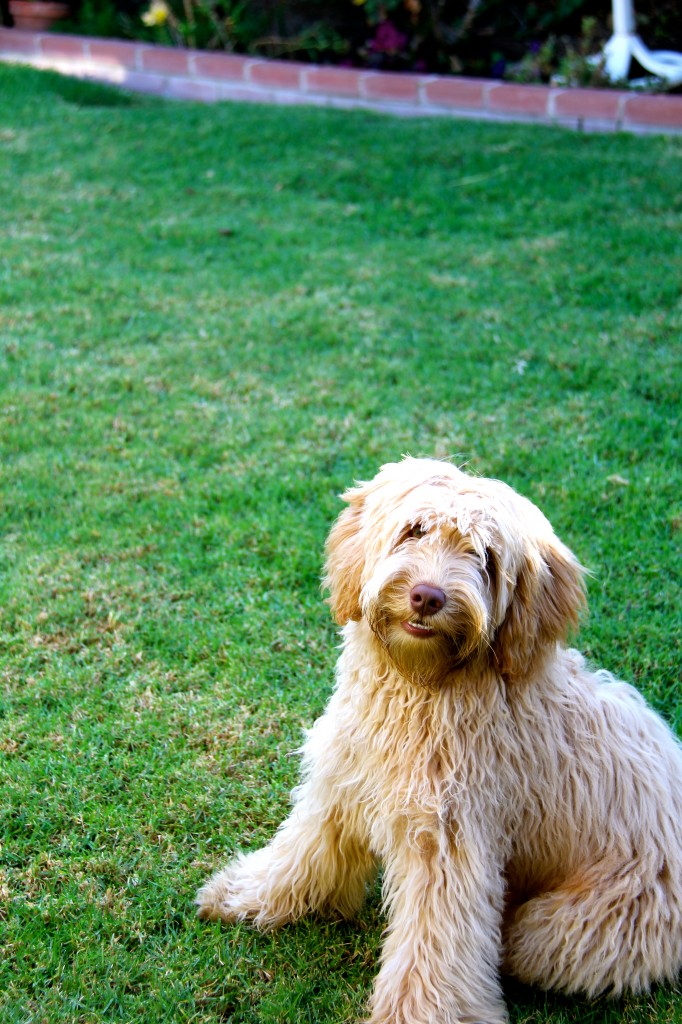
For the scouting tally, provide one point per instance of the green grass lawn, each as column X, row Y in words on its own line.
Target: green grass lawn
column 211, row 321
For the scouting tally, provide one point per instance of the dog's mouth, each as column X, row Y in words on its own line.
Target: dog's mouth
column 417, row 628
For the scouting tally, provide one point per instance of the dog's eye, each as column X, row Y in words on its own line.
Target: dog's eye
column 413, row 532
column 416, row 531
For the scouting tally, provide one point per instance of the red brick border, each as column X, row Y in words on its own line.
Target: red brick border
column 197, row 75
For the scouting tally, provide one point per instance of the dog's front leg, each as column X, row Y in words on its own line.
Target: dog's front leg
column 440, row 959
column 319, row 859
column 314, row 863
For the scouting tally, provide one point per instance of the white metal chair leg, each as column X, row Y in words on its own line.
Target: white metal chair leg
column 625, row 44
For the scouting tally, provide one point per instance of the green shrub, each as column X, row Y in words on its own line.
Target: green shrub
column 529, row 41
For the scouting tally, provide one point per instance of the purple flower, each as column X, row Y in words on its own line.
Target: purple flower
column 387, row 39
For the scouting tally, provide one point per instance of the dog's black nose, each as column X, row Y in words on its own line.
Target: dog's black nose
column 427, row 600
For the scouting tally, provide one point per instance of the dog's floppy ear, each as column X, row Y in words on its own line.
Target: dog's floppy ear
column 346, row 559
column 548, row 597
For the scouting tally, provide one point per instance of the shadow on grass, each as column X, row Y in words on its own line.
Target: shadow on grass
column 318, row 970
column 75, row 91
column 91, row 94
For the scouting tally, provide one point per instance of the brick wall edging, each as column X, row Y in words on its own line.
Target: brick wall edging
column 209, row 76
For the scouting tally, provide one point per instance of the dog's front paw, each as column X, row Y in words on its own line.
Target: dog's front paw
column 249, row 889
column 216, row 899
column 411, row 1009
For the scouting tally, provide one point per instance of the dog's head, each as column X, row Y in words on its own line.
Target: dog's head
column 450, row 569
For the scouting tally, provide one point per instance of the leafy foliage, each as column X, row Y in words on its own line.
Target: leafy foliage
column 480, row 37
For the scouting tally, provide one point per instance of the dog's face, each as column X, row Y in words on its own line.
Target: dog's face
column 449, row 569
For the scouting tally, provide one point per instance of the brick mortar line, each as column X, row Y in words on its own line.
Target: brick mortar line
column 248, row 68
column 485, row 98
column 424, row 82
column 362, row 86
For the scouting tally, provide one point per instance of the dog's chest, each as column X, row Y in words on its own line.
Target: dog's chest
column 417, row 759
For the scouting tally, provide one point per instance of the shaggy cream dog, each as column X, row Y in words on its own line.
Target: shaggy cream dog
column 527, row 812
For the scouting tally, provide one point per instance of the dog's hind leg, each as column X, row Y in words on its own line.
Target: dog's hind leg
column 611, row 928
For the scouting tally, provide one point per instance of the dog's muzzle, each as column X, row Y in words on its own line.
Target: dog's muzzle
column 426, row 601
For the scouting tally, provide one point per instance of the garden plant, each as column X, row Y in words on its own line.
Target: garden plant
column 212, row 320
column 491, row 38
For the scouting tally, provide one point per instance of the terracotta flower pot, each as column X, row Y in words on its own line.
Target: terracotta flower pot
column 37, row 15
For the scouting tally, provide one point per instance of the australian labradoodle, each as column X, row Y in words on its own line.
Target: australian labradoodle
column 527, row 811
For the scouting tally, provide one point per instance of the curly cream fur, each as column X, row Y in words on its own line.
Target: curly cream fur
column 527, row 812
